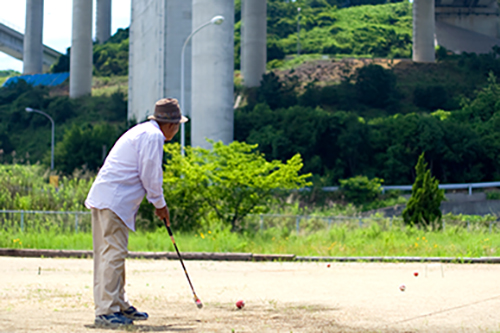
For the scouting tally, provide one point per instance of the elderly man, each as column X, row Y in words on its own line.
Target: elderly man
column 132, row 169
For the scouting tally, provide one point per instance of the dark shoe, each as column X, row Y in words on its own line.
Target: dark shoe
column 133, row 314
column 112, row 320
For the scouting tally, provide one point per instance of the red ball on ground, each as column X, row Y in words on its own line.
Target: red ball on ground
column 415, row 273
column 328, row 265
column 240, row 304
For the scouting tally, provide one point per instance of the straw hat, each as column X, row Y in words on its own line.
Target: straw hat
column 167, row 110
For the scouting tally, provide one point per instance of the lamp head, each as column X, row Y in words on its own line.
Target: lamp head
column 217, row 20
column 29, row 110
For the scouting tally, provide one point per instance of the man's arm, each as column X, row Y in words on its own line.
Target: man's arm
column 151, row 174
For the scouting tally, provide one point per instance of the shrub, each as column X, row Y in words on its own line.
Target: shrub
column 276, row 92
column 228, row 181
column 84, row 146
column 493, row 195
column 423, row 207
column 360, row 190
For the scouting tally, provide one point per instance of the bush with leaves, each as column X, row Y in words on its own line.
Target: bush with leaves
column 485, row 105
column 26, row 187
column 275, row 92
column 228, row 181
column 423, row 208
column 84, row 146
column 360, row 190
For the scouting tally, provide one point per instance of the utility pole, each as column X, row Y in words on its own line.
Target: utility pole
column 298, row 31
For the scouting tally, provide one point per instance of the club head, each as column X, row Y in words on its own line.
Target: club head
column 198, row 303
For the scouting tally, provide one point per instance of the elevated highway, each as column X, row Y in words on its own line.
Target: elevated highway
column 460, row 40
column 11, row 43
column 467, row 25
column 457, row 25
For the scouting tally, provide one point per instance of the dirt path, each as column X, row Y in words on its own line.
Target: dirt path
column 280, row 297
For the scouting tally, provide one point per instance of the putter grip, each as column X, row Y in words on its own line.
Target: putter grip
column 168, row 228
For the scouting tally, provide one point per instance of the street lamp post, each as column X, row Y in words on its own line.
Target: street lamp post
column 52, row 137
column 215, row 20
column 298, row 31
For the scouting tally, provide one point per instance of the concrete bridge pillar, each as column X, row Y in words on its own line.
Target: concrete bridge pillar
column 253, row 41
column 423, row 31
column 158, row 30
column 212, row 74
column 33, row 45
column 178, row 27
column 103, row 20
column 80, row 78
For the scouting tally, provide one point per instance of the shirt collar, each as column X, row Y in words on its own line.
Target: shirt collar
column 155, row 123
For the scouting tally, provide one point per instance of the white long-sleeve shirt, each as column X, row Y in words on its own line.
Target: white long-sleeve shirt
column 131, row 170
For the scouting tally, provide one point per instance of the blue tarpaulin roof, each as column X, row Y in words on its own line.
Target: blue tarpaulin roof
column 50, row 80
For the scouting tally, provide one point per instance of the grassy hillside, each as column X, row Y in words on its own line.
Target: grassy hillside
column 4, row 75
column 326, row 28
column 371, row 31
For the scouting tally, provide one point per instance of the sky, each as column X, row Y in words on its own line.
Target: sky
column 56, row 24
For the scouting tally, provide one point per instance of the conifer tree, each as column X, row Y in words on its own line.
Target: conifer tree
column 423, row 205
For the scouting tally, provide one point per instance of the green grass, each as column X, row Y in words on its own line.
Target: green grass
column 109, row 85
column 373, row 239
column 2, row 80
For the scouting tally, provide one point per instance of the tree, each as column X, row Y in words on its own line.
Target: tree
column 84, row 146
column 230, row 181
column 375, row 85
column 423, row 205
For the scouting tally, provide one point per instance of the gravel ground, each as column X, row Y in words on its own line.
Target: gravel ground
column 55, row 295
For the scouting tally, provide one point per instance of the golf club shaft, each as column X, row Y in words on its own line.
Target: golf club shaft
column 182, row 263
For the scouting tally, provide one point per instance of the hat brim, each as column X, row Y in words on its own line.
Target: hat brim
column 182, row 120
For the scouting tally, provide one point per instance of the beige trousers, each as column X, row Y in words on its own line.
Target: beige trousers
column 110, row 239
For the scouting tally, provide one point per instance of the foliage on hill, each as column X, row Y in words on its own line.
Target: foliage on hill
column 110, row 58
column 25, row 137
column 338, row 134
column 327, row 28
column 4, row 75
column 461, row 145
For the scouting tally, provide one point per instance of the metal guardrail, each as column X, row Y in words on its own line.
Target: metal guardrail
column 297, row 220
column 23, row 213
column 468, row 186
column 358, row 220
